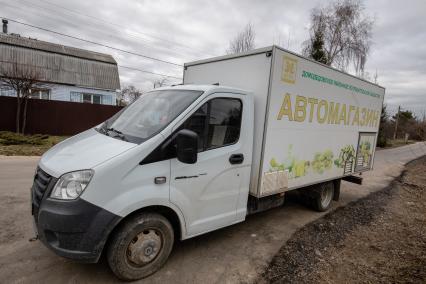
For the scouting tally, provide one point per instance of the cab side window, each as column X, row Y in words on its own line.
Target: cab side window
column 217, row 123
column 224, row 122
column 197, row 123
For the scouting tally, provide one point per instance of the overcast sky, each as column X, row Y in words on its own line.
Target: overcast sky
column 187, row 30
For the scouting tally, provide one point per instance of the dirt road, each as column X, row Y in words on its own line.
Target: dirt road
column 234, row 254
column 378, row 239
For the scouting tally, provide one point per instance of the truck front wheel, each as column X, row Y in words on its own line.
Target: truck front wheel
column 140, row 246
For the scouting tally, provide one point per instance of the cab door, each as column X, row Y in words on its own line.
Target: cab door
column 208, row 191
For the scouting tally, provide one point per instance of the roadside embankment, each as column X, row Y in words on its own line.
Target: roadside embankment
column 380, row 238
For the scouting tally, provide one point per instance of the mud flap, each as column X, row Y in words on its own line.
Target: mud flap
column 336, row 189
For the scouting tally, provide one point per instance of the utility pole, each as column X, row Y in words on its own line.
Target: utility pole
column 396, row 123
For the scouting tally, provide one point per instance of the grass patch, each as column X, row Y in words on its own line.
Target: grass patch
column 13, row 144
column 398, row 143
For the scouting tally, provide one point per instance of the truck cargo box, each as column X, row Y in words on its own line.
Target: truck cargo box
column 313, row 123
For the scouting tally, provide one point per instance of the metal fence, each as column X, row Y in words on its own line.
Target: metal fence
column 54, row 117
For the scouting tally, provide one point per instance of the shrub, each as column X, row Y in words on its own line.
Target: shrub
column 11, row 138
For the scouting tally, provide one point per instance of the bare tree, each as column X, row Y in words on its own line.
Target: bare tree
column 244, row 40
column 160, row 83
column 346, row 32
column 22, row 79
column 128, row 95
column 376, row 77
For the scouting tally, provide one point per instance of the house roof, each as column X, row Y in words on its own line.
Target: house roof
column 59, row 64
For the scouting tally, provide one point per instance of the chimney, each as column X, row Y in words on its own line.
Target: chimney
column 4, row 26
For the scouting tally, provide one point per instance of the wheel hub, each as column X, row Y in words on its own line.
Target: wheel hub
column 149, row 250
column 144, row 247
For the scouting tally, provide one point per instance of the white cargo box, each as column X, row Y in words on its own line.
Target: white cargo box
column 313, row 123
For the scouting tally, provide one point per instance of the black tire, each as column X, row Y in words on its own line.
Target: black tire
column 323, row 196
column 120, row 255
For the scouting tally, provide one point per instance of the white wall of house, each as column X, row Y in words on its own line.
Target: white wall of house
column 74, row 94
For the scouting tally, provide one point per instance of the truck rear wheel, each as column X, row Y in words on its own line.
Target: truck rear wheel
column 324, row 194
column 141, row 246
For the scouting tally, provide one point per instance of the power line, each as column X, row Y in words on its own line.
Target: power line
column 149, row 72
column 129, row 33
column 93, row 42
column 114, row 24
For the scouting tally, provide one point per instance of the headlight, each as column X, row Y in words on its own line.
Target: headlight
column 71, row 185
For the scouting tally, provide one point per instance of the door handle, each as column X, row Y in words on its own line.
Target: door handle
column 236, row 158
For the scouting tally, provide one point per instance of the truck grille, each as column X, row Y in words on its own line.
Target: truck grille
column 41, row 182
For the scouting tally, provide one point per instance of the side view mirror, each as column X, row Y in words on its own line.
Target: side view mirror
column 187, row 146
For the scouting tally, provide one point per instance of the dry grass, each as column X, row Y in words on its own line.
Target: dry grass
column 12, row 144
column 398, row 143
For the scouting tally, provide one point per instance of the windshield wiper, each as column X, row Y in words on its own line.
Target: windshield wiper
column 102, row 130
column 118, row 133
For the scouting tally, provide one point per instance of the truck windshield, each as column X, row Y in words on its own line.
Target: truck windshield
column 148, row 115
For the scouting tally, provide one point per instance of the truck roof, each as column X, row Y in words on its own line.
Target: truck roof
column 269, row 49
column 207, row 88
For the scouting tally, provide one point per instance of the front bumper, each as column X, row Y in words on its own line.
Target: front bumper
column 74, row 229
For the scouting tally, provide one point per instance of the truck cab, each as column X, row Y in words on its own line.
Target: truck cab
column 175, row 163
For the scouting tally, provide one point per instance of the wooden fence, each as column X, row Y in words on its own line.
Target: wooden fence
column 54, row 117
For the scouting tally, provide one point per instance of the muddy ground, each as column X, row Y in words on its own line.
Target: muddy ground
column 378, row 239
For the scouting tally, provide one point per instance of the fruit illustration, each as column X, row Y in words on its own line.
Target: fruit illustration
column 365, row 151
column 322, row 161
column 298, row 168
column 295, row 167
column 274, row 163
column 347, row 154
column 301, row 168
column 275, row 166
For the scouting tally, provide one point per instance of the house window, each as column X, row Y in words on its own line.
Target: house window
column 107, row 100
column 87, row 98
column 43, row 94
column 90, row 98
column 96, row 99
column 75, row 97
column 8, row 92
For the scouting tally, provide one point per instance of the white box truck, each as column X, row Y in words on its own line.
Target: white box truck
column 186, row 160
